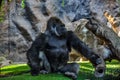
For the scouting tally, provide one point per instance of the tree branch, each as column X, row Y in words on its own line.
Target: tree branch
column 106, row 34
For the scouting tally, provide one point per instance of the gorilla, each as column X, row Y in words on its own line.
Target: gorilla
column 50, row 51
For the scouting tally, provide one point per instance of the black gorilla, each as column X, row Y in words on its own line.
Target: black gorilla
column 50, row 51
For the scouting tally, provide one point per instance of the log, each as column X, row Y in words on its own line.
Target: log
column 107, row 35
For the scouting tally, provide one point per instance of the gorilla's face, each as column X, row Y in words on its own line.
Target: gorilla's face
column 56, row 27
column 58, row 30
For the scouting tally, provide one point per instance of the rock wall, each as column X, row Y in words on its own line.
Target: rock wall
column 24, row 24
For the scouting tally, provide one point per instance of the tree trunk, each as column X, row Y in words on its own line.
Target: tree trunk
column 106, row 34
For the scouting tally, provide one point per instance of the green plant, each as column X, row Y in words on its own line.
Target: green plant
column 23, row 4
column 63, row 3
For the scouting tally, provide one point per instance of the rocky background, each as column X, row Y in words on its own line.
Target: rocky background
column 27, row 18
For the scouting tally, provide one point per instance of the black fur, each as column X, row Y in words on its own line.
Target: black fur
column 56, row 43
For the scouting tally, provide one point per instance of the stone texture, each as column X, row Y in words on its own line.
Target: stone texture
column 24, row 24
column 4, row 62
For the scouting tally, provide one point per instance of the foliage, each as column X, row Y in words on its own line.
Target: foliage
column 2, row 12
column 23, row 4
column 86, row 72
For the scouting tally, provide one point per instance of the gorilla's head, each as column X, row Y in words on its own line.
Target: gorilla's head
column 56, row 27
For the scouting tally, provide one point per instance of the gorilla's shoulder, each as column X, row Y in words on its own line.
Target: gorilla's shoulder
column 70, row 34
column 41, row 36
column 41, row 39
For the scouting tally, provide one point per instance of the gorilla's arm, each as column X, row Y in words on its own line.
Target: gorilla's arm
column 81, row 47
column 33, row 54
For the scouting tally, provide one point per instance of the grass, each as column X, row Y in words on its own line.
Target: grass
column 14, row 72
